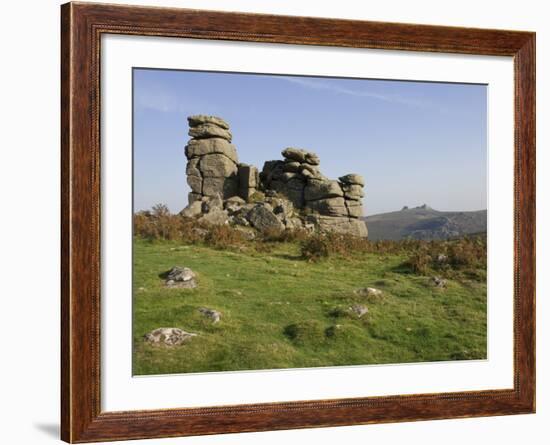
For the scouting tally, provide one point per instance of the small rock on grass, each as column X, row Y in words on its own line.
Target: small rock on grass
column 213, row 314
column 180, row 277
column 368, row 292
column 359, row 310
column 168, row 336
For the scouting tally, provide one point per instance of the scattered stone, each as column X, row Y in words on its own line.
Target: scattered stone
column 211, row 313
column 439, row 282
column 168, row 336
column 180, row 277
column 359, row 310
column 369, row 292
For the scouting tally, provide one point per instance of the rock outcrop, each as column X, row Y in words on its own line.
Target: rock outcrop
column 288, row 193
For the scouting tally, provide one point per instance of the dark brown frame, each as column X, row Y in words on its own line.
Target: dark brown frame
column 82, row 25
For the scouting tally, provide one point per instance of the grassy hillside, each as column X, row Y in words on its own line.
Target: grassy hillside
column 280, row 311
column 425, row 223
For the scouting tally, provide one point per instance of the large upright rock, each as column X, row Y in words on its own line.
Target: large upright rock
column 249, row 180
column 212, row 159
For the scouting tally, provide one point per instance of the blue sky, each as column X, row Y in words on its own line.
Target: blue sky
column 414, row 142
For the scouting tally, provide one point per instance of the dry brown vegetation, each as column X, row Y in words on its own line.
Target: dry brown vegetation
column 467, row 254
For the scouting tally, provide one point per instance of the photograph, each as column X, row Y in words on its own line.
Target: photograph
column 285, row 221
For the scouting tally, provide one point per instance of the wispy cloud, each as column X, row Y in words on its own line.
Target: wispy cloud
column 315, row 84
column 156, row 99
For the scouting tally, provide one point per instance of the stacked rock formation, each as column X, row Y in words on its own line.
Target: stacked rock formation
column 328, row 204
column 289, row 193
column 212, row 165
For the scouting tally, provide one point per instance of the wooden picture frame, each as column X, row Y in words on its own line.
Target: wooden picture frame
column 82, row 25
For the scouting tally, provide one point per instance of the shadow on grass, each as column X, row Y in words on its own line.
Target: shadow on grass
column 287, row 256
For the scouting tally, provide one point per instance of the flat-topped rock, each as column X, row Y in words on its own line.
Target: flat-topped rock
column 199, row 119
column 352, row 178
column 294, row 154
column 209, row 131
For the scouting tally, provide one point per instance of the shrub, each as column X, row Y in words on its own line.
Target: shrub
column 285, row 236
column 222, row 237
column 315, row 248
column 419, row 262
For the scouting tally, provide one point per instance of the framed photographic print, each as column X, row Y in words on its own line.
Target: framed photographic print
column 276, row 222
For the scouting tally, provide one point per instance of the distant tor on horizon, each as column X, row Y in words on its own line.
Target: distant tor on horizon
column 425, row 223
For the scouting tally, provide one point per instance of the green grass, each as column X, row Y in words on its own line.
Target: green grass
column 279, row 311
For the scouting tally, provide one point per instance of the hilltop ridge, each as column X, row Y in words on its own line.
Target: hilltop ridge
column 424, row 222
